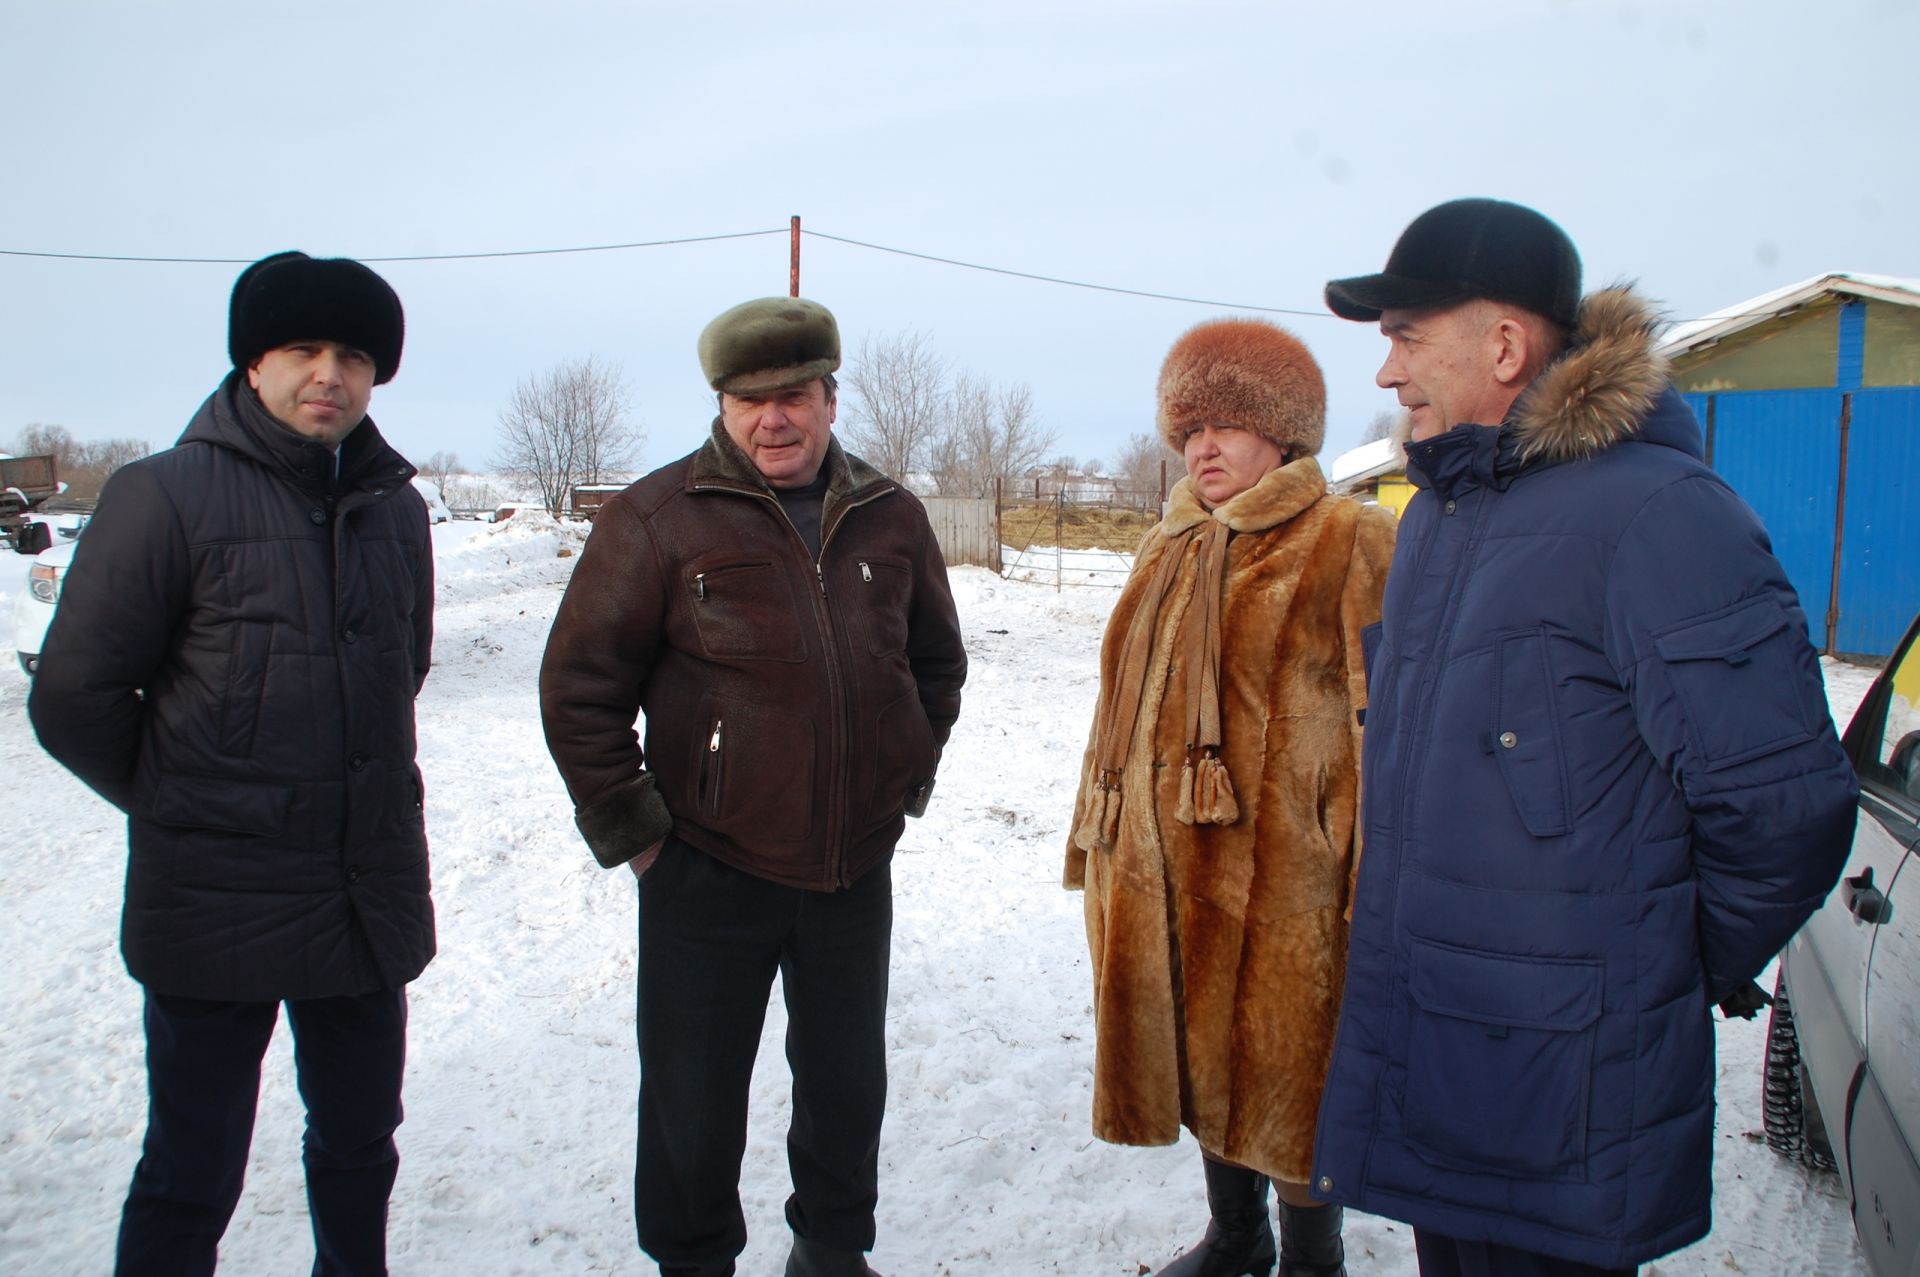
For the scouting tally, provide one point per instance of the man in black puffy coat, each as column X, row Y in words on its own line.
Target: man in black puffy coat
column 234, row 665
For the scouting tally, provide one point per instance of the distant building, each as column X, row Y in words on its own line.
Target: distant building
column 587, row 498
column 1375, row 471
column 1809, row 400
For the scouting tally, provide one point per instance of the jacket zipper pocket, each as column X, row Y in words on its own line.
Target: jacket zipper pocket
column 710, row 772
column 714, row 578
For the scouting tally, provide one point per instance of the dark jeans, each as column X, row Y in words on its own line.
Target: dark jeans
column 203, row 1082
column 1451, row 1257
column 711, row 938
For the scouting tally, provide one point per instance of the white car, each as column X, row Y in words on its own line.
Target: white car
column 429, row 491
column 33, row 606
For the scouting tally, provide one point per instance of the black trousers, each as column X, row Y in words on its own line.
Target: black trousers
column 711, row 938
column 1450, row 1257
column 203, row 1083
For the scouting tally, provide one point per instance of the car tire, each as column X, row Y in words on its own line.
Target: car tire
column 1792, row 1119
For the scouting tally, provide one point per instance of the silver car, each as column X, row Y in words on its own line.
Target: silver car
column 1843, row 1054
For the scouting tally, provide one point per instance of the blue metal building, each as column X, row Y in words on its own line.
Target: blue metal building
column 1810, row 400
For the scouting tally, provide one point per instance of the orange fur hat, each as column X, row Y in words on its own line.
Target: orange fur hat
column 1250, row 374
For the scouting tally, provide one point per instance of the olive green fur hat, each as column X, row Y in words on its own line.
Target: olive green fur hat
column 1246, row 373
column 773, row 343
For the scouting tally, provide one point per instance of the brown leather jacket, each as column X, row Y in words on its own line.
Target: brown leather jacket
column 792, row 707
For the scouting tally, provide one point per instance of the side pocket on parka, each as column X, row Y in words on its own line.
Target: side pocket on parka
column 1734, row 674
column 1525, row 739
column 246, row 688
column 1500, row 1060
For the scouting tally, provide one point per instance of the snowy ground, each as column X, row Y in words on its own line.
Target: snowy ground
column 518, row 1143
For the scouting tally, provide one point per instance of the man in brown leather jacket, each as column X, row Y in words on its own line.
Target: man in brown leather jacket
column 779, row 611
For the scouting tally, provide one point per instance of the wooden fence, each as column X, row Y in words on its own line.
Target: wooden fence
column 966, row 528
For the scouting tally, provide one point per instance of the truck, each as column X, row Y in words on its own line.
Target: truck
column 26, row 483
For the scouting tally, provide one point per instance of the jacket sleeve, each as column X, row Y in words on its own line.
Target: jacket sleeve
column 120, row 603
column 934, row 650
column 598, row 656
column 1712, row 649
column 1360, row 601
column 423, row 614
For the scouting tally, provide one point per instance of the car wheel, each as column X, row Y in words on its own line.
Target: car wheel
column 1793, row 1124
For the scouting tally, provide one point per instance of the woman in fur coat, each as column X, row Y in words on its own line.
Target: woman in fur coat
column 1215, row 829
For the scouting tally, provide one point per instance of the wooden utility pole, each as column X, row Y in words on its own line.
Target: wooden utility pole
column 793, row 270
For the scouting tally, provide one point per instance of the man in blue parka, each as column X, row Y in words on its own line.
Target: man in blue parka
column 1601, row 785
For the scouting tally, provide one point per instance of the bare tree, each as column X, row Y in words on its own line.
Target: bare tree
column 440, row 467
column 567, row 426
column 990, row 432
column 83, row 464
column 1382, row 426
column 1146, row 468
column 39, row 439
column 897, row 400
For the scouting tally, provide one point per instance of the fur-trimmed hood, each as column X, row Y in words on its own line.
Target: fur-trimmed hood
column 1608, row 388
column 1600, row 391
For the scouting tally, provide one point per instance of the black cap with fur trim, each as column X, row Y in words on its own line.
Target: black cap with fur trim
column 292, row 297
column 1247, row 373
column 769, row 344
column 1468, row 249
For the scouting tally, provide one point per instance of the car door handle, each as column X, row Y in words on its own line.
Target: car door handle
column 1866, row 901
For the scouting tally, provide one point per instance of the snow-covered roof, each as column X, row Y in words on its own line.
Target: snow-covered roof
column 1695, row 333
column 1355, row 465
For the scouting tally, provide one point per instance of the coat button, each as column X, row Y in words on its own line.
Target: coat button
column 317, row 515
column 1508, row 740
column 353, row 873
column 358, row 762
column 349, row 634
column 1451, row 505
column 1324, row 1183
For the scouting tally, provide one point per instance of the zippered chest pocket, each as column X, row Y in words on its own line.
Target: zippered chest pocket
column 744, row 609
column 883, row 591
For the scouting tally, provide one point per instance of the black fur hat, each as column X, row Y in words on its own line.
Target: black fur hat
column 292, row 297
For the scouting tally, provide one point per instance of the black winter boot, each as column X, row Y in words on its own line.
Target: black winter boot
column 811, row 1259
column 1239, row 1240
column 1310, row 1244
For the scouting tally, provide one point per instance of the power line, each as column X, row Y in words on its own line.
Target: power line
column 1070, row 283
column 414, row 257
column 706, row 239
column 693, row 239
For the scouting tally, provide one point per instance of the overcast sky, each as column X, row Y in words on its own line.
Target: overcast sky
column 1237, row 153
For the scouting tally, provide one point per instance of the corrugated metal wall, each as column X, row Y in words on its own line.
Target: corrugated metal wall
column 1780, row 449
column 1880, row 541
column 1832, row 475
column 966, row 530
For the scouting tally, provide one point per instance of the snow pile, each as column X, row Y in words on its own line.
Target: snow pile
column 517, row 1151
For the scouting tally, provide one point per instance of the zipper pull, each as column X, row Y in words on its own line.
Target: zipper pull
column 700, row 586
column 866, row 573
column 820, row 576
column 713, row 741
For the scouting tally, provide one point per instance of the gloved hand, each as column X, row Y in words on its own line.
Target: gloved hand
column 1746, row 1002
column 918, row 797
